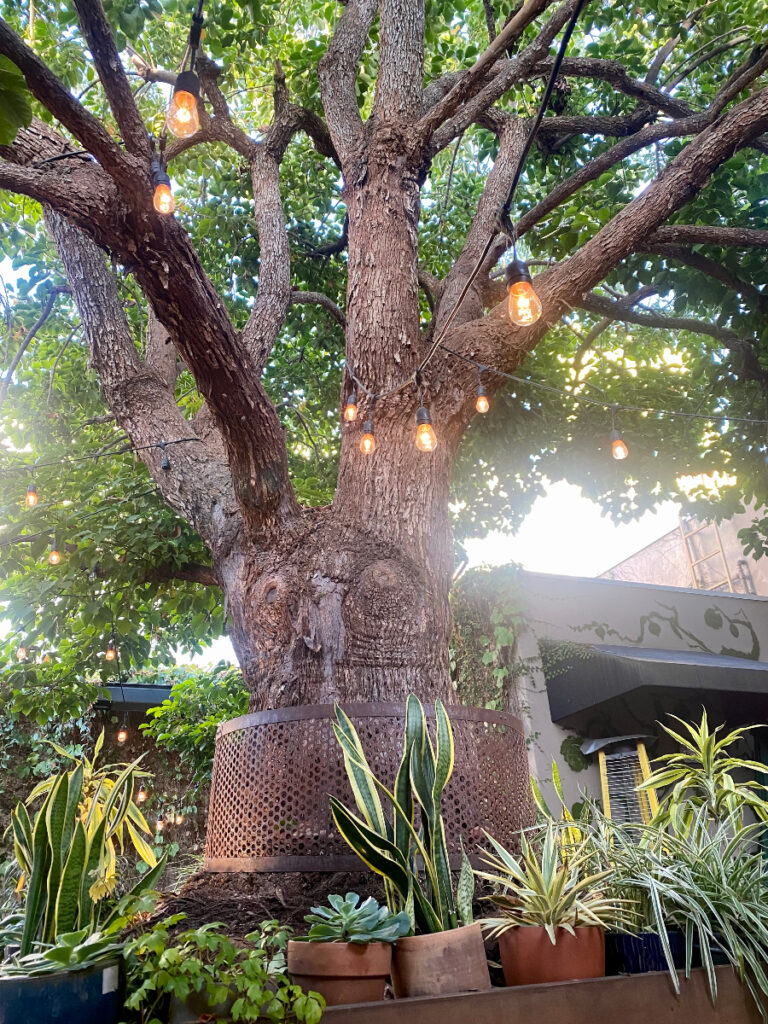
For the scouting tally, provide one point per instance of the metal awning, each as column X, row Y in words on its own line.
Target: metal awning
column 634, row 685
column 134, row 696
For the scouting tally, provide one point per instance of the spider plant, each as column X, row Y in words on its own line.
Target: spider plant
column 703, row 774
column 551, row 885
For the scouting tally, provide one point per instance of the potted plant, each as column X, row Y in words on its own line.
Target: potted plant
column 445, row 952
column 553, row 910
column 66, row 856
column 347, row 954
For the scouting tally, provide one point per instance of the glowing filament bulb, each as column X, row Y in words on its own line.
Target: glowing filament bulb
column 482, row 404
column 426, row 439
column 160, row 825
column 111, row 653
column 183, row 117
column 54, row 555
column 619, row 448
column 163, row 200
column 524, row 305
column 31, row 498
column 368, row 441
column 179, row 819
column 350, row 409
column 122, row 733
column 21, row 653
column 141, row 796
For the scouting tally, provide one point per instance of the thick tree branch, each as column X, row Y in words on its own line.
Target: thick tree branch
column 190, row 573
column 197, row 486
column 56, row 98
column 101, row 43
column 706, row 234
column 320, row 299
column 400, row 79
column 337, row 72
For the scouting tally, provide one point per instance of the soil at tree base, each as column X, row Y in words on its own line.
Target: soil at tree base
column 242, row 900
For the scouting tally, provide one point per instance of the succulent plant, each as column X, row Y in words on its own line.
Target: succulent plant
column 346, row 919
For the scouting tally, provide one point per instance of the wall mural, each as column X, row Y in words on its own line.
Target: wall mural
column 653, row 626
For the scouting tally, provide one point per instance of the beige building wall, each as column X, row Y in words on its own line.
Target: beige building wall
column 722, row 564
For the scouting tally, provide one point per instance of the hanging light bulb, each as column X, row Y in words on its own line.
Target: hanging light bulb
column 46, row 659
column 111, row 652
column 524, row 304
column 350, row 409
column 619, row 448
column 31, row 498
column 141, row 796
column 54, row 555
column 165, row 462
column 426, row 439
column 122, row 732
column 160, row 825
column 183, row 117
column 162, row 200
column 482, row 404
column 179, row 818
column 21, row 653
column 368, row 441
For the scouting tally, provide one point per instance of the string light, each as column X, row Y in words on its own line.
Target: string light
column 368, row 440
column 619, row 447
column 426, row 439
column 46, row 659
column 54, row 555
column 165, row 462
column 141, row 796
column 179, row 818
column 160, row 825
column 350, row 409
column 122, row 732
column 21, row 653
column 482, row 404
column 111, row 652
column 183, row 117
column 162, row 200
column 524, row 303
column 31, row 498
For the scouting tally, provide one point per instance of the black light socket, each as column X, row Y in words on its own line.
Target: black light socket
column 422, row 415
column 518, row 271
column 188, row 81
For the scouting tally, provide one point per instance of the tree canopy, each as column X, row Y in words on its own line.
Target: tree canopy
column 679, row 324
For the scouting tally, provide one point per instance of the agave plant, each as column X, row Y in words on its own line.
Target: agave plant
column 67, row 859
column 395, row 849
column 702, row 774
column 346, row 919
column 551, row 885
column 96, row 789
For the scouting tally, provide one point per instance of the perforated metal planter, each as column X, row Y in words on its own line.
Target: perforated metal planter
column 274, row 772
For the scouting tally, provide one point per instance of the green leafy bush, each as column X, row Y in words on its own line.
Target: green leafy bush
column 247, row 982
column 348, row 920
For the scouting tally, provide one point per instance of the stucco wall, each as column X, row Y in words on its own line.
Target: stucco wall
column 601, row 611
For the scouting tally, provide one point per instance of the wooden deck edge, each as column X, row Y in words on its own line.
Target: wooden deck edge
column 641, row 999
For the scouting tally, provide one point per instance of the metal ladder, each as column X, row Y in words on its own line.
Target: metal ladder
column 697, row 574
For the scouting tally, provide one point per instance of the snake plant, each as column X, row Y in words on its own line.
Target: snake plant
column 65, row 855
column 413, row 861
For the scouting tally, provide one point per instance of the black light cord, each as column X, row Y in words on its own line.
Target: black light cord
column 32, row 467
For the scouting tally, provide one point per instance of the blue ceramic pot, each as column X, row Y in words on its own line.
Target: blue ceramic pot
column 93, row 995
column 640, row 954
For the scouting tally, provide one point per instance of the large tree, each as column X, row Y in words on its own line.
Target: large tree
column 374, row 179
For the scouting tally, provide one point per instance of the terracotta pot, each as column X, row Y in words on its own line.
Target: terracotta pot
column 529, row 958
column 342, row 972
column 433, row 965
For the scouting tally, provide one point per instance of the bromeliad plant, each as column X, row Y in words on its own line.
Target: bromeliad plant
column 413, row 861
column 348, row 920
column 551, row 885
column 66, row 855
